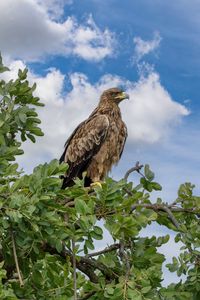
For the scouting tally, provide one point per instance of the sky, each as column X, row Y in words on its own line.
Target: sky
column 76, row 49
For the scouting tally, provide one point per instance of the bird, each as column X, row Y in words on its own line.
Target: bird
column 97, row 143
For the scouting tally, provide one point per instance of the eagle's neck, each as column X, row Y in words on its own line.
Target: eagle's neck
column 109, row 108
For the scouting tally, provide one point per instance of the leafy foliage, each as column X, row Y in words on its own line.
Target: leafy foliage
column 47, row 235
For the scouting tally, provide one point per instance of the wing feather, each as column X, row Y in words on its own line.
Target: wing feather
column 123, row 137
column 83, row 144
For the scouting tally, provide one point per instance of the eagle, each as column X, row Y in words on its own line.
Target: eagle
column 98, row 142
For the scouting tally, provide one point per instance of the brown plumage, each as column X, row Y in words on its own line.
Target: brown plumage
column 98, row 142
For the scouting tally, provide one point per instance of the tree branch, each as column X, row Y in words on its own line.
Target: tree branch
column 137, row 168
column 107, row 272
column 88, row 295
column 160, row 207
column 74, row 268
column 106, row 250
column 16, row 260
column 84, row 264
column 83, row 267
column 171, row 217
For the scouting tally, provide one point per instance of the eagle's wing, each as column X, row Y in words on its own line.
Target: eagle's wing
column 122, row 137
column 83, row 144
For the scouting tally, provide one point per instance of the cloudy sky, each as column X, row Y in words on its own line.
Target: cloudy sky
column 76, row 49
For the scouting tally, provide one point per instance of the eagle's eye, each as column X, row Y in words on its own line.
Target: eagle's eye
column 116, row 94
column 112, row 94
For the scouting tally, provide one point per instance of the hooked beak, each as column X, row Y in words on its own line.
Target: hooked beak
column 123, row 96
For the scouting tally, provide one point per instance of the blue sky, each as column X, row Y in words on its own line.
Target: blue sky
column 76, row 49
column 177, row 59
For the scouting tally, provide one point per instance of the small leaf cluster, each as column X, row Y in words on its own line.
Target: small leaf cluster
column 18, row 117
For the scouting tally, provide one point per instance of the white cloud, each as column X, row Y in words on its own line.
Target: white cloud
column 55, row 8
column 91, row 43
column 149, row 114
column 143, row 47
column 27, row 31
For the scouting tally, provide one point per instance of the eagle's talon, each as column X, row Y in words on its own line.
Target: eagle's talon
column 96, row 184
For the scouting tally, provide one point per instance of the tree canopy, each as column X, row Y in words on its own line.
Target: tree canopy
column 47, row 235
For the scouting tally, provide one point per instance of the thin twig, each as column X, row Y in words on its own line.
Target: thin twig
column 70, row 204
column 107, row 249
column 171, row 216
column 125, row 257
column 74, row 268
column 93, row 263
column 164, row 208
column 84, row 264
column 173, row 203
column 88, row 295
column 137, row 168
column 16, row 260
column 160, row 207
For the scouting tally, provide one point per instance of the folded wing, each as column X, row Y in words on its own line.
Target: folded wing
column 82, row 145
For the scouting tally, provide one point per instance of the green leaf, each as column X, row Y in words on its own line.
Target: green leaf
column 31, row 137
column 23, row 137
column 110, row 290
column 22, row 117
column 156, row 186
column 53, row 167
column 80, row 206
column 59, row 246
column 146, row 289
column 98, row 230
column 3, row 69
column 37, row 131
column 2, row 140
column 89, row 244
column 148, row 173
column 22, row 74
column 96, row 236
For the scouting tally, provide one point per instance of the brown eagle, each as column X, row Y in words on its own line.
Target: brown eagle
column 98, row 142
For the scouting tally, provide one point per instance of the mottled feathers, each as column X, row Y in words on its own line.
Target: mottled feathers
column 98, row 142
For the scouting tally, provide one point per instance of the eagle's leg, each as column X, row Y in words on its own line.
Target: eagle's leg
column 92, row 182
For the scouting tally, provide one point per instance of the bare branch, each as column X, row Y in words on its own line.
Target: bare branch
column 125, row 258
column 107, row 272
column 171, row 217
column 83, row 267
column 106, row 250
column 84, row 264
column 16, row 260
column 173, row 203
column 160, row 207
column 74, row 269
column 88, row 295
column 88, row 271
column 137, row 168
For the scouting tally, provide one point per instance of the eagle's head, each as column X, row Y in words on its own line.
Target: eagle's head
column 115, row 95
